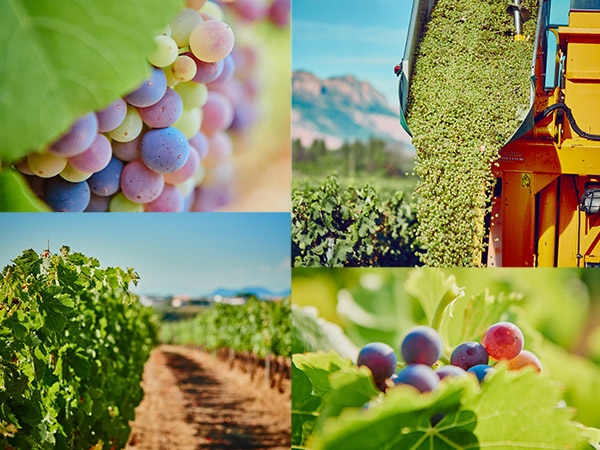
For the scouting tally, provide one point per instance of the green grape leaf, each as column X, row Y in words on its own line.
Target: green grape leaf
column 311, row 333
column 520, row 410
column 429, row 287
column 305, row 407
column 16, row 195
column 480, row 312
column 318, row 366
column 61, row 60
column 401, row 419
column 517, row 410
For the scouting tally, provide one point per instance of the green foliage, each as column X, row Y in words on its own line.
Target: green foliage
column 64, row 59
column 260, row 327
column 513, row 410
column 335, row 225
column 61, row 60
column 470, row 80
column 372, row 157
column 509, row 410
column 16, row 195
column 74, row 344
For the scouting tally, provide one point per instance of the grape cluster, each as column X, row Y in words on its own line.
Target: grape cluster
column 422, row 348
column 165, row 146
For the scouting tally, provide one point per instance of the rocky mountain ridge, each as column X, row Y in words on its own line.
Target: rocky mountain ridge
column 341, row 109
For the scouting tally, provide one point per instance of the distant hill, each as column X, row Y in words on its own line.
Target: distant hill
column 259, row 292
column 341, row 109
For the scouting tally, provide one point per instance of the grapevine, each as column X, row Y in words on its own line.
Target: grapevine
column 259, row 327
column 336, row 225
column 74, row 343
column 471, row 79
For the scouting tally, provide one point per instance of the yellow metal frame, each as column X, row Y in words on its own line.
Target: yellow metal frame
column 535, row 218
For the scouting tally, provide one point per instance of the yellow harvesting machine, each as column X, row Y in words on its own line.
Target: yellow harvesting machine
column 546, row 202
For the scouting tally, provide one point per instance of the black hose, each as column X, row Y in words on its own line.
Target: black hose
column 570, row 118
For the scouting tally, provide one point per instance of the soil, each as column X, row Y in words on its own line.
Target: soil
column 193, row 401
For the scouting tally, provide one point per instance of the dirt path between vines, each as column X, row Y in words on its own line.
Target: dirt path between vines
column 193, row 401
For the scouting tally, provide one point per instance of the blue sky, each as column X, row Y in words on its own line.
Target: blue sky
column 339, row 37
column 191, row 253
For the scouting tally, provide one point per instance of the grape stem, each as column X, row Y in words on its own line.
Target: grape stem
column 451, row 294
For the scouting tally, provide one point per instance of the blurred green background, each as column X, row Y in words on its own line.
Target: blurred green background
column 557, row 309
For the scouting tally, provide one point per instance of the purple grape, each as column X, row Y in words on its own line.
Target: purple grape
column 127, row 151
column 220, row 149
column 245, row 114
column 480, row 371
column 210, row 198
column 95, row 158
column 79, row 137
column 380, row 359
column 279, row 12
column 186, row 171
column 163, row 113
column 98, row 204
column 422, row 345
column 200, row 144
column 217, row 113
column 164, row 150
column 106, row 182
column 449, row 371
column 419, row 376
column 140, row 184
column 469, row 354
column 206, row 72
column 228, row 70
column 150, row 91
column 112, row 116
column 63, row 196
column 169, row 200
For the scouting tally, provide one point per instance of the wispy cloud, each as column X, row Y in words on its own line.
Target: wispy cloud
column 311, row 31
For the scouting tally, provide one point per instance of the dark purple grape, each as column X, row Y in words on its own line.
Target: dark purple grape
column 480, row 371
column 422, row 345
column 449, row 371
column 107, row 181
column 380, row 359
column 469, row 354
column 164, row 150
column 419, row 376
column 64, row 196
column 150, row 91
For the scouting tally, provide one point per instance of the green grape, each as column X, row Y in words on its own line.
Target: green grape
column 46, row 165
column 193, row 95
column 183, row 68
column 183, row 24
column 165, row 53
column 189, row 122
column 130, row 128
column 73, row 175
column 120, row 203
